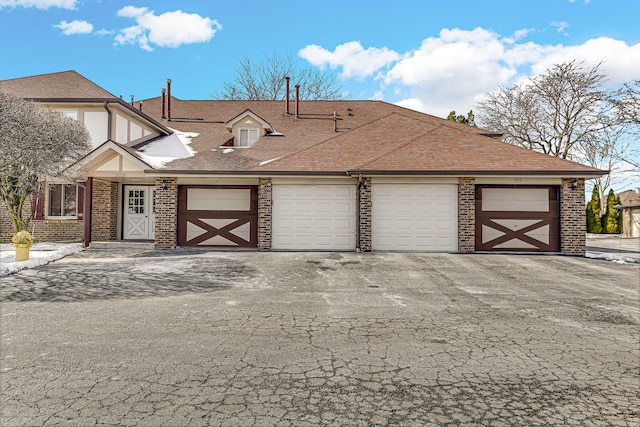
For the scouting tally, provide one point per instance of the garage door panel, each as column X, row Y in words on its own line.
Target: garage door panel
column 324, row 217
column 411, row 217
column 525, row 218
column 217, row 216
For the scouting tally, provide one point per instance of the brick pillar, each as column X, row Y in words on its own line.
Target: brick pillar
column 573, row 218
column 104, row 212
column 166, row 232
column 264, row 214
column 364, row 216
column 466, row 215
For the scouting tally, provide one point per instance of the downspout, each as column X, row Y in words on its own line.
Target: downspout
column 109, row 120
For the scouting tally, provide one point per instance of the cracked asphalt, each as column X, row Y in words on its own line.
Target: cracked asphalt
column 193, row 338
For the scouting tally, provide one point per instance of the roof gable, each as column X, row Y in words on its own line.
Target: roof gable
column 251, row 116
column 111, row 157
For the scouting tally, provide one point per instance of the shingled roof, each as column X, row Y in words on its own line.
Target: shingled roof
column 339, row 137
column 65, row 84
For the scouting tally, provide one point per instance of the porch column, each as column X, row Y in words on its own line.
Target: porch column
column 166, row 229
column 573, row 217
column 466, row 215
column 88, row 207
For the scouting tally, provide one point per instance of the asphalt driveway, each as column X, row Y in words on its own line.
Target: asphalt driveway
column 185, row 337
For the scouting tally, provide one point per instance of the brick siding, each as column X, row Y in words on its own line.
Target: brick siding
column 166, row 228
column 573, row 218
column 264, row 214
column 466, row 215
column 364, row 220
column 104, row 214
column 65, row 230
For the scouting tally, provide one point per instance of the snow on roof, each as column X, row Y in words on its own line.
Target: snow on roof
column 168, row 148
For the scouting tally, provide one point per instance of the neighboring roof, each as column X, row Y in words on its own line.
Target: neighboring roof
column 65, row 84
column 629, row 199
column 364, row 137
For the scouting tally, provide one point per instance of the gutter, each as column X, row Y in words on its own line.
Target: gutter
column 560, row 173
column 169, row 172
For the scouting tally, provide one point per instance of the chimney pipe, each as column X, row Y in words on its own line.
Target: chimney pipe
column 169, row 99
column 132, row 100
column 297, row 101
column 164, row 100
column 287, row 95
column 140, row 106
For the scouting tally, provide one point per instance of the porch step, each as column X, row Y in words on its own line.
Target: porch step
column 121, row 244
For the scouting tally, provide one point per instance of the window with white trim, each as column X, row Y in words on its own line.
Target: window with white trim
column 62, row 201
column 248, row 137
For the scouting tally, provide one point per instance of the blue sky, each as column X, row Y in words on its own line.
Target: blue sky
column 431, row 55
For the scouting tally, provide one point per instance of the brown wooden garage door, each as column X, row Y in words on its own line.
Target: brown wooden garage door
column 218, row 216
column 517, row 218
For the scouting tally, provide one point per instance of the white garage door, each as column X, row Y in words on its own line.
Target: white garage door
column 415, row 217
column 314, row 217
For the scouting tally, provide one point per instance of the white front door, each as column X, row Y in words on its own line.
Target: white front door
column 139, row 212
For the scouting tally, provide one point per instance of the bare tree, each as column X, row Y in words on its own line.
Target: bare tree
column 554, row 112
column 628, row 102
column 266, row 81
column 35, row 143
column 610, row 150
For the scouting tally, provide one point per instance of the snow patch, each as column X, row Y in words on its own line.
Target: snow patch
column 168, row 148
column 613, row 258
column 40, row 254
column 269, row 161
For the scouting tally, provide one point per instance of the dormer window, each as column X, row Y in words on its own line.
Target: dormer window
column 248, row 137
column 247, row 127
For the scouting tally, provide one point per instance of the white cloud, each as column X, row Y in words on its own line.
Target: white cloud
column 75, row 27
column 170, row 29
column 456, row 69
column 560, row 26
column 355, row 60
column 39, row 4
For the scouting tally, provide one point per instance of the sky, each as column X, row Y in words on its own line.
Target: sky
column 431, row 55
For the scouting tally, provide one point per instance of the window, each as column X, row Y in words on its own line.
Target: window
column 70, row 113
column 62, row 201
column 248, row 137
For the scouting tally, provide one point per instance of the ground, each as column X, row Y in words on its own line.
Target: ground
column 246, row 338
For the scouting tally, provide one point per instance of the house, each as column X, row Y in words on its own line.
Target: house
column 630, row 206
column 58, row 206
column 306, row 175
